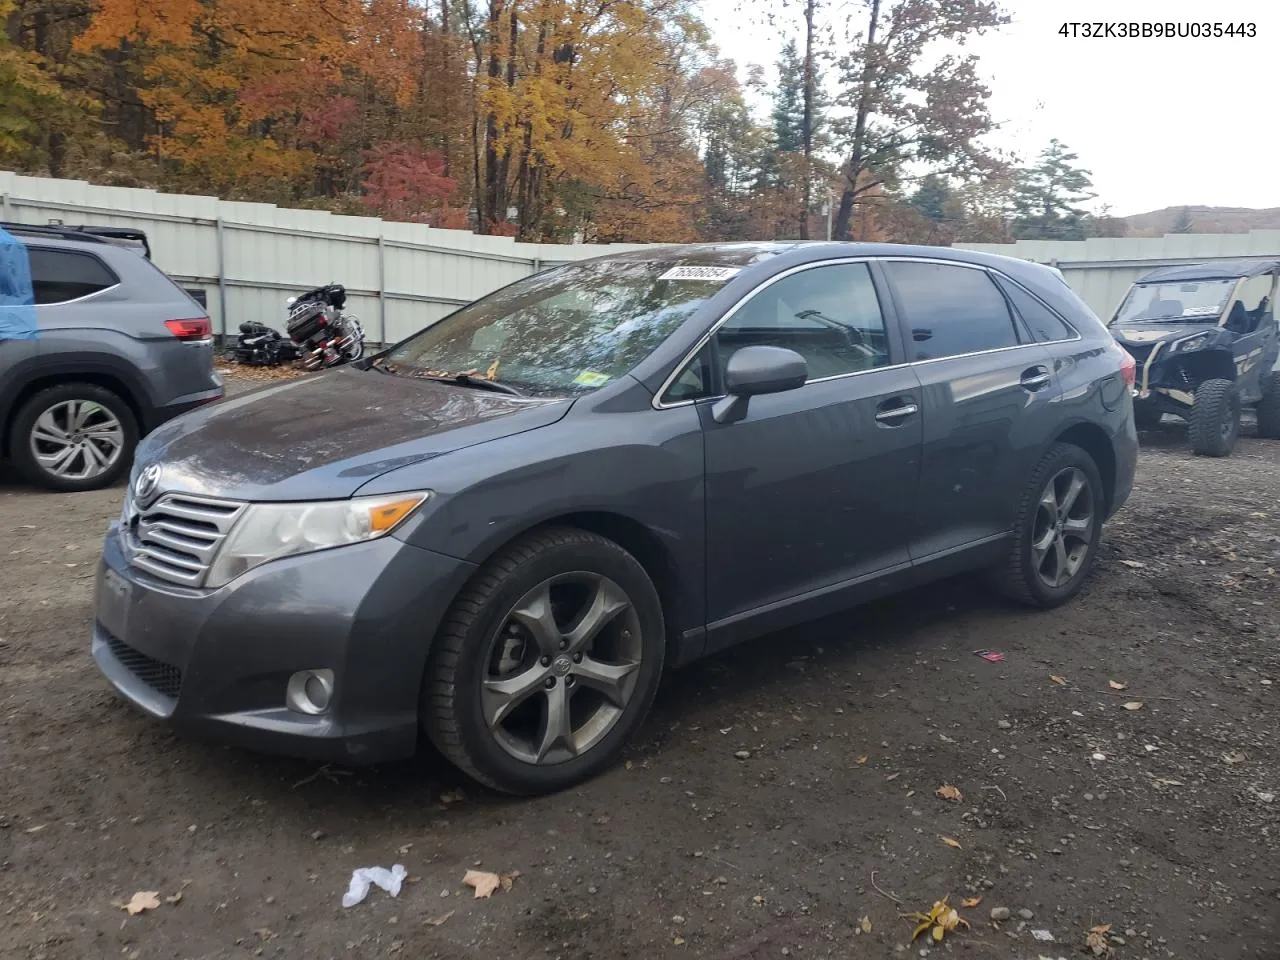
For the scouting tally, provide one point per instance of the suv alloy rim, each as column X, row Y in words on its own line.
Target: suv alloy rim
column 562, row 668
column 1063, row 531
column 77, row 439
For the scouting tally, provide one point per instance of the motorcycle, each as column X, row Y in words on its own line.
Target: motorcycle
column 261, row 346
column 324, row 334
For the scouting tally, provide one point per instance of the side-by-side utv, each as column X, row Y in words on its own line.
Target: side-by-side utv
column 1206, row 342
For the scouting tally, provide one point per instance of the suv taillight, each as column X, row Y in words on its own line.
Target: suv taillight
column 1128, row 369
column 198, row 329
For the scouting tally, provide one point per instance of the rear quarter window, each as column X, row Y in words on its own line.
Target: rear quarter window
column 1043, row 323
column 58, row 276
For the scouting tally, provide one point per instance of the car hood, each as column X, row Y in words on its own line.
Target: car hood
column 325, row 436
column 1145, row 334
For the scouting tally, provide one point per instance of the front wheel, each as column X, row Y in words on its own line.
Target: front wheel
column 73, row 437
column 1268, row 408
column 1057, row 529
column 546, row 663
column 1215, row 419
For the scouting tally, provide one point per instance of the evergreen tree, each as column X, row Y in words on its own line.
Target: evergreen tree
column 788, row 101
column 931, row 198
column 1047, row 196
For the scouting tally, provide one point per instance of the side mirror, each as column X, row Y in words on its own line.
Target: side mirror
column 752, row 371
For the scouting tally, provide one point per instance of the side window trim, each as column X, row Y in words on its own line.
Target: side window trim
column 888, row 312
column 1004, row 278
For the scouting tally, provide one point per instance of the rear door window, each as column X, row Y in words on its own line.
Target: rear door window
column 950, row 310
column 58, row 276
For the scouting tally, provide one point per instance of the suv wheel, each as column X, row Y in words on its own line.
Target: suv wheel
column 1268, row 408
column 73, row 437
column 1058, row 526
column 546, row 664
column 1215, row 419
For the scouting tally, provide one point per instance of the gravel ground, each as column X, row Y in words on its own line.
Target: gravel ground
column 780, row 799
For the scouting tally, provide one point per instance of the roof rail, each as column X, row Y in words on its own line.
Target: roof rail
column 80, row 232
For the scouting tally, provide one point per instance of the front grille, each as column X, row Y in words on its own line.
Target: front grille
column 160, row 677
column 177, row 538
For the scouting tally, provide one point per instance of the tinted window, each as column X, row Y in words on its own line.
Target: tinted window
column 60, row 275
column 694, row 381
column 1043, row 323
column 829, row 315
column 951, row 310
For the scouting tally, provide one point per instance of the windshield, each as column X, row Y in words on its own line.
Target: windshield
column 566, row 331
column 1193, row 301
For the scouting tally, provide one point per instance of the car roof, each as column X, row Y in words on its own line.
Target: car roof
column 1215, row 270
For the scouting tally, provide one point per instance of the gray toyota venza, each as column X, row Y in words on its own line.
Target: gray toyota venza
column 501, row 531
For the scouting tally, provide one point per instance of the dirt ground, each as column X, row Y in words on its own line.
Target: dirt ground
column 780, row 793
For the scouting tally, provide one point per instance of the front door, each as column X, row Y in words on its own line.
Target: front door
column 1250, row 318
column 987, row 403
column 814, row 488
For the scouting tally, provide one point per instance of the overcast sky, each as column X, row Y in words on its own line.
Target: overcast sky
column 1158, row 122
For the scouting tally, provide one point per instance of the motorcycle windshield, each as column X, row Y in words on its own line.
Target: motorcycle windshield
column 17, row 299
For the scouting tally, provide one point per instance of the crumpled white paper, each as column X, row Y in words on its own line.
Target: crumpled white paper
column 388, row 880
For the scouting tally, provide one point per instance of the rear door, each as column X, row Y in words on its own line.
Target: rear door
column 814, row 488
column 987, row 391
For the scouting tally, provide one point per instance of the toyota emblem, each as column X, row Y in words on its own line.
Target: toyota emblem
column 148, row 480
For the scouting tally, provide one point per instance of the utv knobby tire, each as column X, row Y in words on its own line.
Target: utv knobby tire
column 1215, row 419
column 450, row 707
column 1017, row 579
column 1268, row 408
column 24, row 422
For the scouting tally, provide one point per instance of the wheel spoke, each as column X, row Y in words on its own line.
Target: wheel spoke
column 1080, row 529
column 500, row 697
column 558, row 732
column 60, row 461
column 1060, row 573
column 535, row 614
column 608, row 678
column 81, row 410
column 1041, row 547
column 46, row 424
column 95, row 458
column 1073, row 492
column 1049, row 502
column 606, row 603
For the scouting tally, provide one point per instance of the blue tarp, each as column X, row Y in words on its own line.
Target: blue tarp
column 17, row 303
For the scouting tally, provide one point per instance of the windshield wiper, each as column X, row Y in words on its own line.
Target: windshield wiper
column 476, row 383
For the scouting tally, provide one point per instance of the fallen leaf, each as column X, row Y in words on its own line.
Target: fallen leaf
column 1233, row 758
column 1102, row 928
column 862, row 760
column 1116, row 684
column 1133, row 705
column 1135, row 564
column 757, row 899
column 265, row 933
column 970, row 901
column 1096, row 941
column 678, row 941
column 36, row 829
column 1061, row 681
column 143, row 900
column 437, row 921
column 865, row 924
column 952, row 843
column 948, row 792
column 941, row 918
column 176, row 898
column 893, row 776
column 508, row 879
column 483, row 882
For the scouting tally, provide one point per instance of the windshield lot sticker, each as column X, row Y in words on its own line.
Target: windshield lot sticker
column 1199, row 311
column 589, row 378
column 701, row 273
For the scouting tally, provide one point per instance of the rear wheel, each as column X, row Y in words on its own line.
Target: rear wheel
column 1215, row 419
column 73, row 437
column 546, row 664
column 1268, row 408
column 1057, row 529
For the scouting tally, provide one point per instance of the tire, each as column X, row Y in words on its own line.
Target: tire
column 107, row 428
column 481, row 636
column 1147, row 415
column 1215, row 419
column 1268, row 408
column 1025, row 576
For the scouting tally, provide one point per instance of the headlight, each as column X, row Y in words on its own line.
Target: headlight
column 1192, row 343
column 269, row 531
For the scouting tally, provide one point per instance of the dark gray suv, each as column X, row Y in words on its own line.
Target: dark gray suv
column 120, row 349
column 502, row 530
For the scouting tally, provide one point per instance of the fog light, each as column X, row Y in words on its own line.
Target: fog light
column 310, row 691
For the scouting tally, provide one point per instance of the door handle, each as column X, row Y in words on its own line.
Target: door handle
column 895, row 414
column 1036, row 378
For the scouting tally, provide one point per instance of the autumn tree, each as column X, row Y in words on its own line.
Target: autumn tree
column 908, row 107
column 1047, row 197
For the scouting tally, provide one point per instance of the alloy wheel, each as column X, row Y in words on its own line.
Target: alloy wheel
column 1063, row 533
column 562, row 668
column 77, row 439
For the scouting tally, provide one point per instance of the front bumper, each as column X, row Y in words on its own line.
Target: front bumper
column 217, row 662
